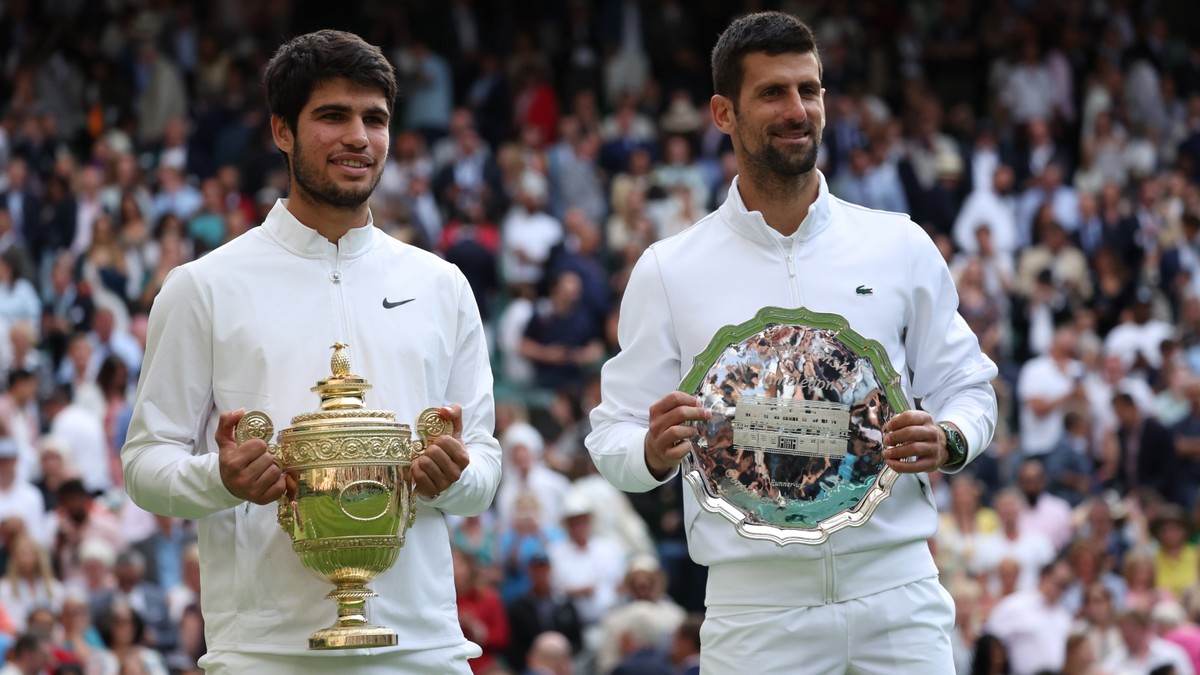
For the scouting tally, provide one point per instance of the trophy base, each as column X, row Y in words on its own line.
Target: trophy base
column 352, row 637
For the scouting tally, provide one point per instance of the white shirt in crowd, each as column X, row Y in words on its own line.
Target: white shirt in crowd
column 599, row 565
column 1161, row 653
column 1042, row 378
column 1033, row 632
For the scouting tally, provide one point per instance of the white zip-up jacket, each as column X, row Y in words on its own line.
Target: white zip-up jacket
column 885, row 276
column 250, row 325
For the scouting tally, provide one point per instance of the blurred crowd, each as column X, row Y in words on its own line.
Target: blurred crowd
column 1051, row 148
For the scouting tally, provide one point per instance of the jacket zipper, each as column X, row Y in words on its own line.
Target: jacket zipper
column 336, row 277
column 789, row 246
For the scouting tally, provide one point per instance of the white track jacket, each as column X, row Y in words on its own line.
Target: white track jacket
column 885, row 276
column 250, row 325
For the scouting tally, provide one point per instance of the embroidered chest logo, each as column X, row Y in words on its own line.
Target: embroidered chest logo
column 863, row 290
column 390, row 305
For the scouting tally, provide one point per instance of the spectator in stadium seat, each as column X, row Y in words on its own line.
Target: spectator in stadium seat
column 29, row 655
column 549, row 655
column 1143, row 651
column 78, row 518
column 587, row 567
column 146, row 598
column 1045, row 512
column 18, row 497
column 1013, row 540
column 564, row 339
column 1033, row 625
column 1146, row 456
column 480, row 611
column 643, row 599
column 123, row 632
column 540, row 610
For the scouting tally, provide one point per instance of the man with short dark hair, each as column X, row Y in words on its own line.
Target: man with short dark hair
column 29, row 655
column 1146, row 456
column 249, row 326
column 685, row 645
column 20, row 419
column 867, row 599
column 77, row 519
column 539, row 611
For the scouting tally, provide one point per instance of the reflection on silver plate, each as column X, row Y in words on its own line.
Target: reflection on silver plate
column 793, row 451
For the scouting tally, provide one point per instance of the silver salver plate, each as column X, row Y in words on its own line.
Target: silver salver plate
column 793, row 451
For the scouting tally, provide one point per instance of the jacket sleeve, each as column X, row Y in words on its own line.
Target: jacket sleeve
column 166, row 470
column 950, row 374
column 645, row 370
column 470, row 385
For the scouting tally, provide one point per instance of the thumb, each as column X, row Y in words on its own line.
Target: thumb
column 225, row 428
column 453, row 413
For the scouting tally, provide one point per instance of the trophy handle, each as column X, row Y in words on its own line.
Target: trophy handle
column 254, row 424
column 430, row 425
column 257, row 424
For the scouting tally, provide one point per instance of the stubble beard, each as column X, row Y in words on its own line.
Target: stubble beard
column 782, row 166
column 322, row 191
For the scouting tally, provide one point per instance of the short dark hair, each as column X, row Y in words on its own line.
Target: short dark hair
column 19, row 375
column 770, row 32
column 689, row 630
column 72, row 487
column 27, row 643
column 308, row 60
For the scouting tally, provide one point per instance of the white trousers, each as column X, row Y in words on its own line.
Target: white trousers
column 902, row 630
column 444, row 661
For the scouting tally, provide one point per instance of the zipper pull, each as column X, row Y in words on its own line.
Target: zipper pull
column 791, row 265
column 336, row 275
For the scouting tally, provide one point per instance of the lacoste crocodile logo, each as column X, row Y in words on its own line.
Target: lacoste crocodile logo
column 863, row 290
column 390, row 305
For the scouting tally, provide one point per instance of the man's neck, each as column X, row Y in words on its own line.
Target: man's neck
column 331, row 222
column 783, row 202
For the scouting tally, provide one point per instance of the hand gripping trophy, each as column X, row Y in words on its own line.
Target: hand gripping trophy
column 350, row 495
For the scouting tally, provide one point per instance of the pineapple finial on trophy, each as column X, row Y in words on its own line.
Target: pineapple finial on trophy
column 339, row 363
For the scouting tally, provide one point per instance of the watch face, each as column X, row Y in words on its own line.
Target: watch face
column 955, row 444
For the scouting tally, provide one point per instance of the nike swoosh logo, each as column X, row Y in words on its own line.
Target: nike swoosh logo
column 389, row 305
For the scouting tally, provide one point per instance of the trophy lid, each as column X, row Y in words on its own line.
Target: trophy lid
column 343, row 395
column 341, row 390
column 342, row 431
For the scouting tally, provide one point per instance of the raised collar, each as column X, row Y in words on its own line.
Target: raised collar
column 302, row 240
column 752, row 224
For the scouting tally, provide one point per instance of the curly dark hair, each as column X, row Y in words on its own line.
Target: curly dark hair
column 306, row 61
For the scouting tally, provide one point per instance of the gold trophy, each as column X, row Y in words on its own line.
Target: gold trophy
column 350, row 497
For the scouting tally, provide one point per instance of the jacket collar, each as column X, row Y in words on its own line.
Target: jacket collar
column 751, row 224
column 297, row 237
